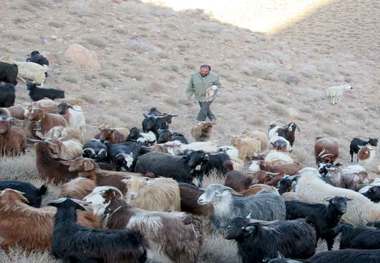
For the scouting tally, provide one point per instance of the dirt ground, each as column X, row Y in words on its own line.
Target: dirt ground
column 147, row 53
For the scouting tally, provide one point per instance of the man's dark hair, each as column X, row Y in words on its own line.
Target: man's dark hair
column 206, row 66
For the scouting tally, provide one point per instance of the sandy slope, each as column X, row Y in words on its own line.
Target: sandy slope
column 148, row 52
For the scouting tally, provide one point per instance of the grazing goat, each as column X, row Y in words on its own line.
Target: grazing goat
column 28, row 227
column 49, row 167
column 30, row 192
column 347, row 256
column 95, row 149
column 326, row 150
column 157, row 194
column 45, row 121
column 174, row 235
column 12, row 139
column 358, row 237
column 202, row 131
column 287, row 132
column 7, row 95
column 95, row 245
column 311, row 188
column 324, row 218
column 258, row 242
column 189, row 200
column 357, row 143
column 335, row 93
column 181, row 168
column 8, row 73
column 113, row 136
column 74, row 116
column 351, row 177
column 36, row 93
column 263, row 206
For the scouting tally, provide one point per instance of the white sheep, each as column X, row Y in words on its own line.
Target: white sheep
column 334, row 93
column 176, row 147
column 29, row 71
column 311, row 188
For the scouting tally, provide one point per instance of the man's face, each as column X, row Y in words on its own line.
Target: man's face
column 204, row 71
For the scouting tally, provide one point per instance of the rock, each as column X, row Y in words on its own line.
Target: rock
column 82, row 56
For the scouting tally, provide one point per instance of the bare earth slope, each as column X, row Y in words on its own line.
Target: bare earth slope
column 148, row 52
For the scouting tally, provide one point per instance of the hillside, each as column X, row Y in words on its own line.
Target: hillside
column 147, row 53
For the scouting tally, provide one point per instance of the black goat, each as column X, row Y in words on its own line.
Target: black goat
column 357, row 143
column 7, row 95
column 30, row 192
column 74, row 243
column 346, row 256
column 155, row 120
column 165, row 135
column 324, row 218
column 124, row 155
column 288, row 132
column 95, row 149
column 8, row 73
column 258, row 242
column 286, row 184
column 181, row 168
column 372, row 193
column 358, row 237
column 36, row 57
column 217, row 163
column 36, row 93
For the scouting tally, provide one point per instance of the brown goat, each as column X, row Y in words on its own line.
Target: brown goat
column 28, row 227
column 268, row 178
column 12, row 139
column 17, row 112
column 46, row 120
column 47, row 105
column 284, row 168
column 78, row 188
column 202, row 131
column 326, row 150
column 49, row 167
column 189, row 200
column 237, row 181
column 87, row 168
column 111, row 135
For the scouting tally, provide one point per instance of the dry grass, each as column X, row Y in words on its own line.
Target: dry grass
column 147, row 54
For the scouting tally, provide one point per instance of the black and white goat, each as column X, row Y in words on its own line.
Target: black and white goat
column 357, row 143
column 288, row 132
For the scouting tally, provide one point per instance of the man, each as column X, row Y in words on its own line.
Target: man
column 203, row 86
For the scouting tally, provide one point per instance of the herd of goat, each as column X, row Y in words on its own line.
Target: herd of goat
column 132, row 195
